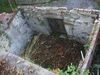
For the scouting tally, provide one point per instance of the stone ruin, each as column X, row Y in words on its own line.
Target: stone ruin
column 82, row 25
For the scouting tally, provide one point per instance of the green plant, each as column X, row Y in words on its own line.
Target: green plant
column 71, row 70
column 86, row 46
column 5, row 6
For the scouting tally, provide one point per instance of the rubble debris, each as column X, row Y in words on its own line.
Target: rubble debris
column 5, row 69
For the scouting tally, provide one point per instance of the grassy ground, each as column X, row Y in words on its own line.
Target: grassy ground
column 5, row 7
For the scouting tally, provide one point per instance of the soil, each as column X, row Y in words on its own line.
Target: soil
column 54, row 52
column 5, row 69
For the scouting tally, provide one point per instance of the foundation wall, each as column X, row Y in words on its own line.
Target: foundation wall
column 78, row 25
column 77, row 22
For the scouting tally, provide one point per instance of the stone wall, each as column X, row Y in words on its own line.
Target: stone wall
column 78, row 24
column 37, row 22
column 21, row 66
column 32, row 1
column 94, row 37
column 20, row 33
column 15, row 34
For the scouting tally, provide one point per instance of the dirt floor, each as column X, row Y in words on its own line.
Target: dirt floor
column 54, row 52
column 7, row 70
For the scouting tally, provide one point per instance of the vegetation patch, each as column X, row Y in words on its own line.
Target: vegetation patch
column 71, row 70
column 6, row 6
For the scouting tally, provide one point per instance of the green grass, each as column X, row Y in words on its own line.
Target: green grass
column 5, row 7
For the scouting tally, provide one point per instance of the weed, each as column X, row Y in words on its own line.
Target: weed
column 86, row 46
column 71, row 70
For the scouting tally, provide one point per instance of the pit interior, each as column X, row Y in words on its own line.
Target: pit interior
column 55, row 50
